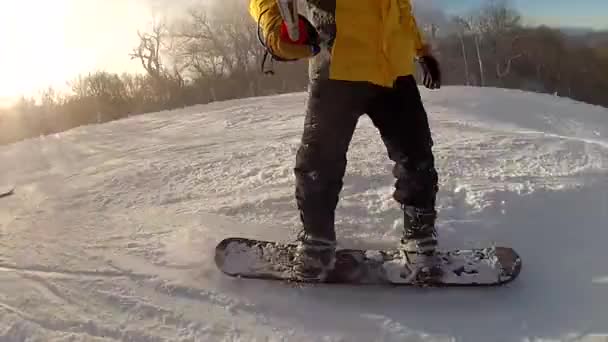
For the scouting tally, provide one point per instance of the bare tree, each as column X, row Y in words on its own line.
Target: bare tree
column 471, row 25
column 498, row 23
column 149, row 50
column 462, row 28
column 218, row 41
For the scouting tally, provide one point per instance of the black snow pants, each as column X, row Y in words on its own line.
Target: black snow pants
column 333, row 110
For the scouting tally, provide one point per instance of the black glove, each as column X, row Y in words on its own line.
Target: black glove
column 431, row 71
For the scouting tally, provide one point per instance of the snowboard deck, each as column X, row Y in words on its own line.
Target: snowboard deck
column 251, row 258
column 6, row 191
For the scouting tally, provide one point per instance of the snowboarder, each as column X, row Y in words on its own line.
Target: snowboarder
column 361, row 61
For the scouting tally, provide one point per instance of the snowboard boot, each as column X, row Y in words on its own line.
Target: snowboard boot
column 314, row 258
column 419, row 242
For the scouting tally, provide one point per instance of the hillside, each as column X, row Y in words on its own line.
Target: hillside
column 109, row 235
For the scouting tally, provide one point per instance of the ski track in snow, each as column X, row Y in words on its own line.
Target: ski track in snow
column 110, row 232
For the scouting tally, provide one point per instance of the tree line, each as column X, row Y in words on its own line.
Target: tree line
column 213, row 53
column 491, row 47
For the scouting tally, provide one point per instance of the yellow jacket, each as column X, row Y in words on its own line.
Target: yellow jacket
column 366, row 40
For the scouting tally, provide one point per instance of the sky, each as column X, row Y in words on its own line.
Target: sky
column 49, row 42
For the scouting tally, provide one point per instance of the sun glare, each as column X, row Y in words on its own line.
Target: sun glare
column 32, row 40
column 49, row 42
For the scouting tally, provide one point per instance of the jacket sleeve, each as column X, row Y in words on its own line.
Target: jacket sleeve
column 268, row 17
column 420, row 45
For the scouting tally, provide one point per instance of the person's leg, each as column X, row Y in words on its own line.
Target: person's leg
column 333, row 110
column 402, row 121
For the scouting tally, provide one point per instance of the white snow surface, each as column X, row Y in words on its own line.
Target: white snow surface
column 110, row 233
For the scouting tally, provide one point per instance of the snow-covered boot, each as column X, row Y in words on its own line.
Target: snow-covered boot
column 314, row 258
column 419, row 234
column 419, row 241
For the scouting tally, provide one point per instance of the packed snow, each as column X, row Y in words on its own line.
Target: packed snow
column 109, row 234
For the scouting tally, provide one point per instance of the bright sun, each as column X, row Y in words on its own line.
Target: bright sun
column 32, row 39
column 49, row 42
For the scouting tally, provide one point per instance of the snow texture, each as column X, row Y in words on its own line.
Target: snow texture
column 111, row 231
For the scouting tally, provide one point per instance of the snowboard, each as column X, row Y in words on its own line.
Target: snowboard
column 6, row 191
column 251, row 258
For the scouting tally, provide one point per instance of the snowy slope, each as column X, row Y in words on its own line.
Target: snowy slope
column 110, row 232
